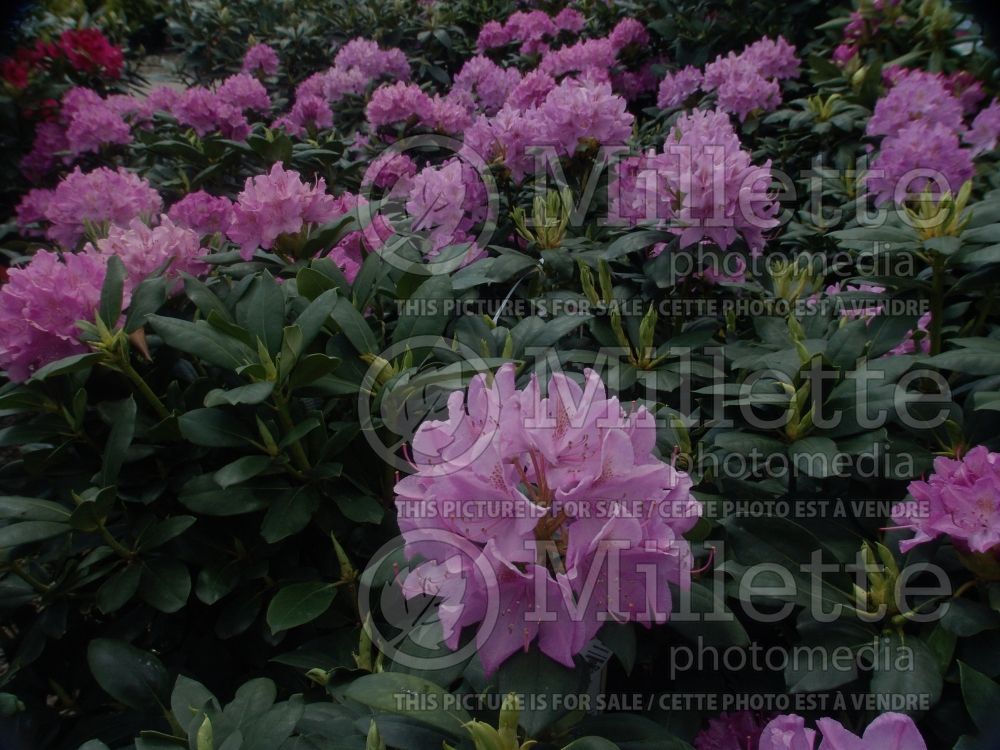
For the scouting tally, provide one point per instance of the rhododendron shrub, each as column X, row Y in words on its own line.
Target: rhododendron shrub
column 575, row 476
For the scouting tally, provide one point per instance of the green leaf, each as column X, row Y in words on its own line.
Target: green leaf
column 159, row 533
column 591, row 743
column 202, row 495
column 629, row 243
column 147, row 298
column 203, row 341
column 17, row 508
column 379, row 691
column 262, row 312
column 815, row 457
column 966, row 618
column 355, row 327
column 213, row 428
column 27, row 532
column 165, row 584
column 982, row 697
column 65, row 366
column 298, row 604
column 360, row 508
column 252, row 699
column 425, row 313
column 121, row 415
column 905, row 666
column 115, row 592
column 254, row 393
column 188, row 699
column 314, row 317
column 534, row 672
column 241, row 470
column 288, row 514
column 968, row 361
column 111, row 292
column 130, row 675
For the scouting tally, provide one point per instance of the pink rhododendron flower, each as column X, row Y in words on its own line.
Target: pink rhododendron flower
column 984, row 132
column 569, row 19
column 582, row 110
column 446, row 202
column 96, row 199
column 703, row 185
column 243, row 92
column 398, row 102
column 890, row 731
column 595, row 57
column 39, row 307
column 492, row 35
column 203, row 213
column 863, row 306
column 373, row 61
column 960, row 500
column 740, row 730
column 628, row 31
column 486, row 83
column 586, row 507
column 260, row 59
column 50, row 139
column 531, row 90
column 916, row 95
column 922, row 155
column 912, row 343
column 275, row 204
column 145, row 250
column 676, row 87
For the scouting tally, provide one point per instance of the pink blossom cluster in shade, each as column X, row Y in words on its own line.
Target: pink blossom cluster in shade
column 358, row 66
column 277, row 204
column 926, row 142
column 87, row 202
column 532, row 30
column 960, row 500
column 529, row 454
column 565, row 117
column 702, row 185
column 42, row 301
column 743, row 83
column 261, row 59
column 890, row 731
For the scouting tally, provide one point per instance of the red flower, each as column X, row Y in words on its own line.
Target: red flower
column 15, row 73
column 89, row 51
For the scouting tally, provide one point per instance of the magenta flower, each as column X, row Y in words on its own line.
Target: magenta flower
column 243, row 92
column 203, row 213
column 740, row 730
column 676, row 87
column 582, row 110
column 276, row 204
column 984, row 132
column 911, row 344
column 50, row 139
column 960, row 500
column 890, row 731
column 39, row 307
column 628, row 31
column 372, row 61
column 922, row 155
column 260, row 59
column 572, row 517
column 95, row 200
column 92, row 122
column 145, row 250
column 485, row 82
column 398, row 102
column 916, row 95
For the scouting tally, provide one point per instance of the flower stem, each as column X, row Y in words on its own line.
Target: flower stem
column 143, row 387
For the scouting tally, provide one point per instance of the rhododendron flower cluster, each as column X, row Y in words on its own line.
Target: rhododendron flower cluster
column 446, row 202
column 742, row 82
column 90, row 200
column 739, row 730
column 145, row 250
column 534, row 30
column 260, row 59
column 585, row 502
column 890, row 731
column 203, row 213
column 703, row 183
column 276, row 204
column 927, row 143
column 224, row 109
column 39, row 306
column 960, row 500
column 86, row 51
column 359, row 64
